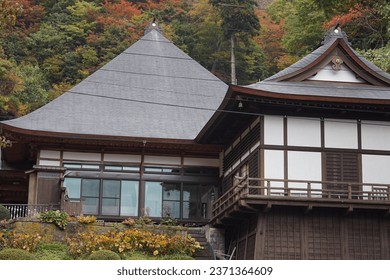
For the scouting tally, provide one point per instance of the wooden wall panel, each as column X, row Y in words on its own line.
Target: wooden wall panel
column 324, row 236
column 283, row 236
column 364, row 237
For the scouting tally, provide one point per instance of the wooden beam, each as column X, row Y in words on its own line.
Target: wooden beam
column 267, row 207
column 308, row 209
column 247, row 206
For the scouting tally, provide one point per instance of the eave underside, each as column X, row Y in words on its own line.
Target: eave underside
column 245, row 106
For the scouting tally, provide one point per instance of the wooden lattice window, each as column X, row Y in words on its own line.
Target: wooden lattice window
column 340, row 168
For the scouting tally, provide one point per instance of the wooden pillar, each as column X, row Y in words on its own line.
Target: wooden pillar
column 260, row 236
column 384, row 238
column 344, row 237
column 304, row 241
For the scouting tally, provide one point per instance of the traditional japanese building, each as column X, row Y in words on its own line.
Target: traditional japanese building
column 292, row 167
column 121, row 142
column 306, row 159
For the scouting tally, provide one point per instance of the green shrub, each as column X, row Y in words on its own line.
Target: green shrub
column 54, row 246
column 60, row 219
column 15, row 254
column 176, row 257
column 52, row 251
column 4, row 213
column 104, row 255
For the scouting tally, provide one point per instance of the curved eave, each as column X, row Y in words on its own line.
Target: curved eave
column 302, row 97
column 26, row 135
column 363, row 67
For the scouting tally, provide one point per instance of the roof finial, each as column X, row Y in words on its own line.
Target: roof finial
column 153, row 26
column 334, row 33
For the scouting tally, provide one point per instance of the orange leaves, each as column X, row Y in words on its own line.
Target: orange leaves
column 355, row 13
column 118, row 13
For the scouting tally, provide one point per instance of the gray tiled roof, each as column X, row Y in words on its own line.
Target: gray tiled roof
column 276, row 84
column 324, row 90
column 151, row 90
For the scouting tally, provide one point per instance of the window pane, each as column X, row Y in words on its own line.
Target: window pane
column 90, row 166
column 73, row 186
column 90, row 187
column 112, row 168
column 131, row 168
column 171, row 191
column 72, row 166
column 110, row 206
column 111, row 188
column 153, row 199
column 171, row 209
column 129, row 198
column 90, row 205
column 196, row 200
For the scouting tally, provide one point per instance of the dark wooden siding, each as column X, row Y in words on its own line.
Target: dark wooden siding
column 364, row 239
column 242, row 147
column 323, row 234
column 282, row 236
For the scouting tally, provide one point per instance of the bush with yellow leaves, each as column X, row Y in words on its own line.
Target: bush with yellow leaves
column 25, row 241
column 86, row 219
column 127, row 242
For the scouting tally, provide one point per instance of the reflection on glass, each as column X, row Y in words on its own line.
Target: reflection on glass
column 195, row 201
column 73, row 186
column 90, row 205
column 153, row 199
column 111, row 188
column 110, row 206
column 171, row 191
column 171, row 209
column 90, row 187
column 129, row 198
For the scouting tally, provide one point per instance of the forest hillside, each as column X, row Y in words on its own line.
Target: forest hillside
column 47, row 46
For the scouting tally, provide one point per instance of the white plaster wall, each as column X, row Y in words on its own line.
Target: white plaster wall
column 376, row 135
column 341, row 134
column 303, row 132
column 162, row 160
column 273, row 130
column 82, row 156
column 50, row 154
column 122, row 158
column 274, row 166
column 304, row 166
column 342, row 75
column 376, row 169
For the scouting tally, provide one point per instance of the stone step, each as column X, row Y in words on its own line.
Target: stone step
column 199, row 235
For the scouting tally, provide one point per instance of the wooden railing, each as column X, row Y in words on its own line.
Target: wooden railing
column 26, row 210
column 263, row 189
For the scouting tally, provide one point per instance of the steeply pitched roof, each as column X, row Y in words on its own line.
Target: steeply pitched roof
column 298, row 78
column 151, row 90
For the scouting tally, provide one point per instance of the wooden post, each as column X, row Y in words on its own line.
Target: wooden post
column 349, row 191
column 269, row 188
column 260, row 236
column 309, row 189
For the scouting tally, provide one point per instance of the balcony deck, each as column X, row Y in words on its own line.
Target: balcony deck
column 261, row 194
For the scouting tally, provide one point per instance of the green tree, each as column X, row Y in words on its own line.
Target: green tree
column 35, row 91
column 239, row 24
